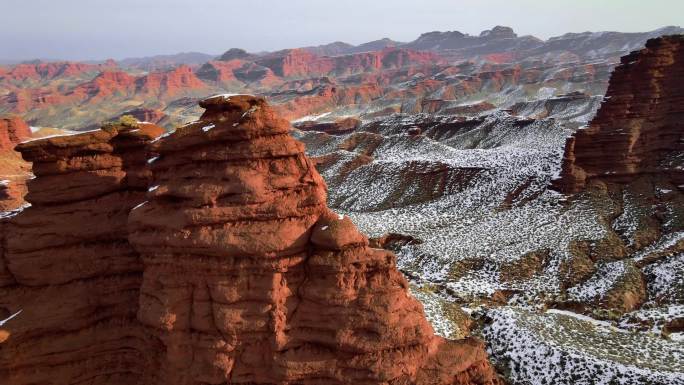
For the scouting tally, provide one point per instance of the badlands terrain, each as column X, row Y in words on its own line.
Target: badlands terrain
column 529, row 193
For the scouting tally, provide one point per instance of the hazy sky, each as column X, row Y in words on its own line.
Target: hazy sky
column 98, row 29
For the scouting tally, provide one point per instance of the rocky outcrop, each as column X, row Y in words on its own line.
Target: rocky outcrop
column 67, row 270
column 302, row 63
column 12, row 193
column 148, row 115
column 639, row 129
column 169, row 83
column 14, row 171
column 235, row 53
column 13, row 130
column 338, row 127
column 250, row 278
column 207, row 256
column 52, row 70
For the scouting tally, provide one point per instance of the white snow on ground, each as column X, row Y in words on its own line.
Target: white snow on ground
column 139, row 205
column 447, row 188
column 311, row 117
column 663, row 244
column 651, row 319
column 596, row 322
column 557, row 349
column 164, row 135
column 11, row 213
column 666, row 279
column 604, row 279
column 481, row 166
column 2, row 322
column 207, row 128
column 64, row 133
column 434, row 312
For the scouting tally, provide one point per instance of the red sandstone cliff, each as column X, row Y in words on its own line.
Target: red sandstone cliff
column 66, row 264
column 232, row 269
column 13, row 130
column 51, row 70
column 250, row 278
column 302, row 63
column 639, row 129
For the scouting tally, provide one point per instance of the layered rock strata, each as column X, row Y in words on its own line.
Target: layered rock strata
column 250, row 278
column 639, row 129
column 206, row 257
column 13, row 130
column 67, row 271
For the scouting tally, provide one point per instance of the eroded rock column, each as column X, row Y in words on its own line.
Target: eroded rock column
column 68, row 271
column 250, row 278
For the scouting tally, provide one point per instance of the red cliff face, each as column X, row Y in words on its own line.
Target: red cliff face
column 220, row 71
column 169, row 83
column 250, row 278
column 247, row 276
column 66, row 264
column 301, row 63
column 104, row 85
column 13, row 130
column 639, row 129
column 148, row 115
column 51, row 70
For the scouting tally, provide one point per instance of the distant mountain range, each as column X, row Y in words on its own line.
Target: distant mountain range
column 439, row 72
column 454, row 45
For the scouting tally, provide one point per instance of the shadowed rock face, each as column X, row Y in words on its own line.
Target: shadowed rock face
column 639, row 129
column 66, row 264
column 233, row 270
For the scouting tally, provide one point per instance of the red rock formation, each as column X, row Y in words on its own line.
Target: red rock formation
column 327, row 97
column 148, row 115
column 169, row 83
column 14, row 171
column 244, row 275
column 65, row 263
column 12, row 193
column 13, row 130
column 105, row 84
column 639, row 129
column 338, row 127
column 249, row 278
column 220, row 71
column 52, row 70
column 302, row 63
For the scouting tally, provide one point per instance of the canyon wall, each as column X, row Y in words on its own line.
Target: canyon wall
column 67, row 271
column 13, row 130
column 207, row 256
column 639, row 128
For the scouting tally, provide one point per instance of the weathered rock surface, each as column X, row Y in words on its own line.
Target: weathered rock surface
column 66, row 266
column 14, row 171
column 230, row 268
column 340, row 126
column 13, row 130
column 639, row 129
column 250, row 278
